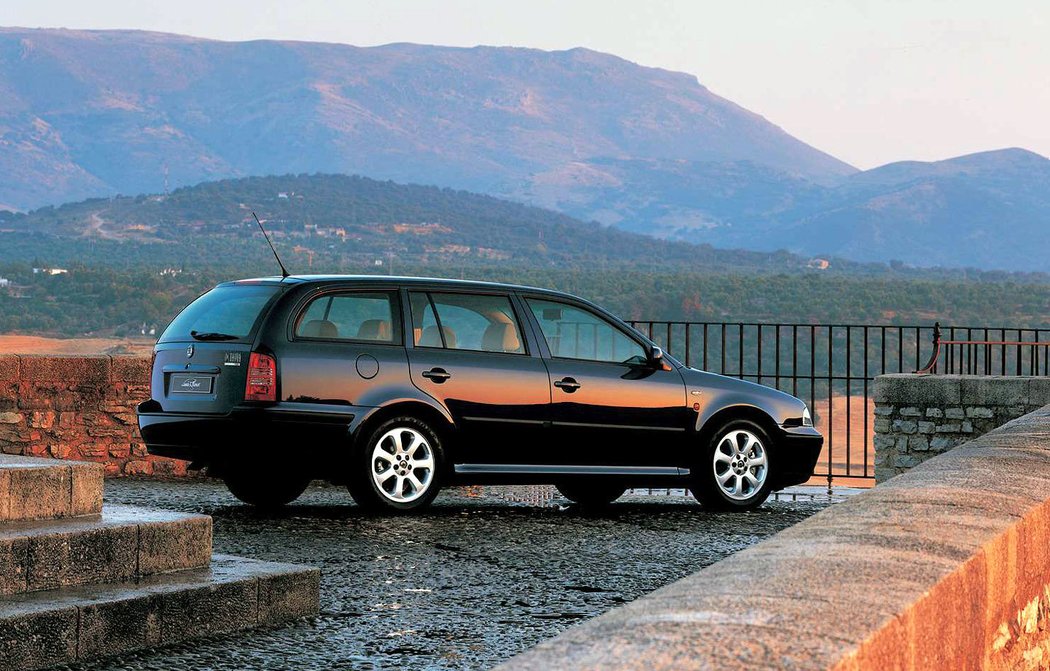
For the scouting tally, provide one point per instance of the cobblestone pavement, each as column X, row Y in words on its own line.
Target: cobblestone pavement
column 481, row 576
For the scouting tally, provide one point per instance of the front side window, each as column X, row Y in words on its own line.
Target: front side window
column 472, row 322
column 369, row 316
column 575, row 333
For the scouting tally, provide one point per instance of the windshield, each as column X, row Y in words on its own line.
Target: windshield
column 225, row 313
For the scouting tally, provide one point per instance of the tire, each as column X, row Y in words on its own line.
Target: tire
column 400, row 467
column 265, row 489
column 734, row 471
column 591, row 493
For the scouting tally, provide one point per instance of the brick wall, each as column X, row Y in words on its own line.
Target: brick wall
column 920, row 416
column 78, row 407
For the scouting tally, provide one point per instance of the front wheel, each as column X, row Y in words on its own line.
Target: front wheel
column 266, row 489
column 399, row 468
column 733, row 473
column 590, row 493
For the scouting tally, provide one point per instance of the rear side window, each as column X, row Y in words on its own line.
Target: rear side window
column 226, row 313
column 480, row 323
column 369, row 316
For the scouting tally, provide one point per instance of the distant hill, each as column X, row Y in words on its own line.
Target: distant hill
column 99, row 113
column 96, row 113
column 987, row 210
column 345, row 222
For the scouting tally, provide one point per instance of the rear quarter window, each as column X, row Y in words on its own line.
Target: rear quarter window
column 365, row 316
column 229, row 313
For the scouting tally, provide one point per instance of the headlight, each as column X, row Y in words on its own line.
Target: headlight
column 807, row 419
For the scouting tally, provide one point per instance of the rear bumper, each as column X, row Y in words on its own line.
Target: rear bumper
column 246, row 433
column 797, row 457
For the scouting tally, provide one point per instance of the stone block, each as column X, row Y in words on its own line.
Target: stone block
column 10, row 368
column 906, row 461
column 884, row 410
column 910, row 411
column 918, row 443
column 1039, row 392
column 966, row 427
column 216, row 608
column 13, row 557
column 288, row 595
column 926, row 427
column 905, row 426
column 994, row 390
column 68, row 370
column 36, row 492
column 82, row 557
column 86, row 488
column 174, row 542
column 942, row 443
column 884, row 473
column 952, row 427
column 979, row 412
column 132, row 369
column 905, row 389
column 935, row 413
column 37, row 636
column 119, row 626
column 883, row 442
column 882, row 425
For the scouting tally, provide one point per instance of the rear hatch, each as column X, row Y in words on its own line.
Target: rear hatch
column 202, row 358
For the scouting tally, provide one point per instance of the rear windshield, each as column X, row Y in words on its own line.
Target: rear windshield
column 226, row 313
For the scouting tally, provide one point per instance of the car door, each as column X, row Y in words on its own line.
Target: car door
column 609, row 405
column 469, row 352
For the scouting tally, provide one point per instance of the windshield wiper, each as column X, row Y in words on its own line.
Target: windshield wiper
column 196, row 335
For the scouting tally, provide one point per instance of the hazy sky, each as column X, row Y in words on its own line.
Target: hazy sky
column 867, row 81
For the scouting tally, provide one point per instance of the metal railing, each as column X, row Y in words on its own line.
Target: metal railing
column 989, row 352
column 832, row 367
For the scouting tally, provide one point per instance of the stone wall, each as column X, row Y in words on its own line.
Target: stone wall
column 946, row 566
column 78, row 407
column 920, row 416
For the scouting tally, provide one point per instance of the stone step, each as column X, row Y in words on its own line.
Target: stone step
column 122, row 543
column 73, row 624
column 36, row 489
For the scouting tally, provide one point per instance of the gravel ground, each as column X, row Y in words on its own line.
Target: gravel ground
column 479, row 577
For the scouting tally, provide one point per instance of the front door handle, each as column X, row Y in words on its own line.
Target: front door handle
column 438, row 375
column 567, row 384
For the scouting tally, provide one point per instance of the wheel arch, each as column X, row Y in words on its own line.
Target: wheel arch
column 436, row 417
column 734, row 412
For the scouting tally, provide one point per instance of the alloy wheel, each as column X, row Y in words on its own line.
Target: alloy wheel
column 740, row 464
column 402, row 465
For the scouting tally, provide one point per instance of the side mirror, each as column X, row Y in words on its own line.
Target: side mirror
column 656, row 358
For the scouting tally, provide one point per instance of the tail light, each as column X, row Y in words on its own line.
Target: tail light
column 262, row 378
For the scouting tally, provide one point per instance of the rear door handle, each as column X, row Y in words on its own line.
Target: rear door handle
column 568, row 385
column 438, row 375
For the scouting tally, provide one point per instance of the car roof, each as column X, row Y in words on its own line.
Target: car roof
column 400, row 280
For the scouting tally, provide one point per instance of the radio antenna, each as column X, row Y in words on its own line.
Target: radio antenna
column 284, row 272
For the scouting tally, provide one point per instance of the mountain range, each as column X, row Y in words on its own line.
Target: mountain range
column 100, row 113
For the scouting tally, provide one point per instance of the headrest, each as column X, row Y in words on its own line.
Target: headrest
column 319, row 328
column 501, row 337
column 374, row 329
column 432, row 337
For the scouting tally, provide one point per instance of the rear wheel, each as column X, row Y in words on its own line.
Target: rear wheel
column 591, row 492
column 264, row 488
column 399, row 468
column 733, row 473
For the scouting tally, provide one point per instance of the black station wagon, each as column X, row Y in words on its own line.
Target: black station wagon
column 396, row 387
